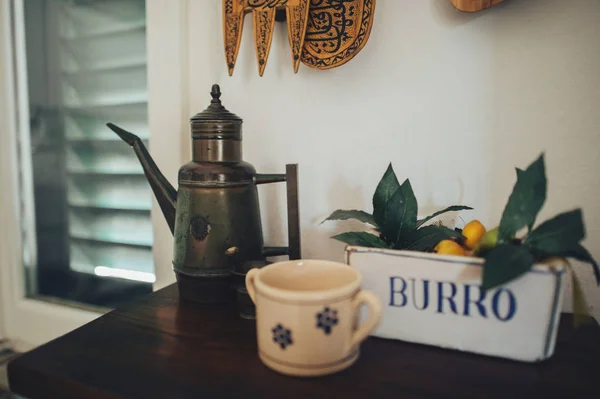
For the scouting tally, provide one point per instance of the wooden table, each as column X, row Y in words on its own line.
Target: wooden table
column 161, row 347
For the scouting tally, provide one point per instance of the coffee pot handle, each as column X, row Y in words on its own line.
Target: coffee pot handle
column 375, row 309
column 291, row 180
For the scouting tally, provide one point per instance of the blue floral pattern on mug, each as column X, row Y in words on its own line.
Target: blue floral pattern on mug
column 282, row 336
column 327, row 319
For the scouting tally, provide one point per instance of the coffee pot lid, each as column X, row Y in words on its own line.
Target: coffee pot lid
column 215, row 111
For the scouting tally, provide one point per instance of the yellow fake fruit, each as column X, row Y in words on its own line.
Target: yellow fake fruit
column 449, row 247
column 473, row 232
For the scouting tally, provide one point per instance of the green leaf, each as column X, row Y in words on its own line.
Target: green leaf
column 387, row 187
column 426, row 238
column 580, row 253
column 559, row 234
column 505, row 263
column 361, row 216
column 393, row 215
column 526, row 200
column 412, row 209
column 400, row 216
column 361, row 238
column 438, row 213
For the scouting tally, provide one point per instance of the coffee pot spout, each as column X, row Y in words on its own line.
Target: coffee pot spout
column 165, row 193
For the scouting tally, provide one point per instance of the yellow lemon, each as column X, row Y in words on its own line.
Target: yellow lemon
column 449, row 247
column 473, row 232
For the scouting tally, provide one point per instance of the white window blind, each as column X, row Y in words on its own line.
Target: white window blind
column 96, row 69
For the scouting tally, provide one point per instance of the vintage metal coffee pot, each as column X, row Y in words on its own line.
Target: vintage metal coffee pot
column 214, row 215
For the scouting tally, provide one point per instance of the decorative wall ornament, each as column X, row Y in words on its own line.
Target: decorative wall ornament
column 263, row 15
column 337, row 30
column 474, row 5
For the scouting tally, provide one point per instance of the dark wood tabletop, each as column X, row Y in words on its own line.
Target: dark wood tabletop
column 164, row 347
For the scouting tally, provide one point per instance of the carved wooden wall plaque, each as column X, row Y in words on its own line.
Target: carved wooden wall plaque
column 263, row 16
column 474, row 5
column 337, row 30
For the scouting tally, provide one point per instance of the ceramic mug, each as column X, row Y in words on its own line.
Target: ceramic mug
column 307, row 315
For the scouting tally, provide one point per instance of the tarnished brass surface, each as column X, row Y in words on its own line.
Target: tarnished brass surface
column 231, row 215
column 217, row 150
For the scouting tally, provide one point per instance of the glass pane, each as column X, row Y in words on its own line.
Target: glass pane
column 91, row 238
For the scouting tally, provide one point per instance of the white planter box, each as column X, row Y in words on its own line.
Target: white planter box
column 435, row 300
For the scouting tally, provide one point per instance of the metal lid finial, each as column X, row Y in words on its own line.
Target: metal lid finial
column 215, row 111
column 216, row 94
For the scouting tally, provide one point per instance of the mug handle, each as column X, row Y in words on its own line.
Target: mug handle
column 250, row 276
column 375, row 309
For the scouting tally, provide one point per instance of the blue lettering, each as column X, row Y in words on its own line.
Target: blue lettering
column 394, row 292
column 425, row 294
column 477, row 303
column 512, row 305
column 449, row 298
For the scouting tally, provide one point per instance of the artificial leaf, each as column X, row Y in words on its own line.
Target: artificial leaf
column 559, row 234
column 400, row 216
column 580, row 253
column 361, row 216
column 505, row 263
column 393, row 216
column 438, row 213
column 519, row 172
column 412, row 209
column 426, row 238
column 526, row 200
column 387, row 187
column 361, row 238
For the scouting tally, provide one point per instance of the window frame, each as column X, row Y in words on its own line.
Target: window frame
column 31, row 322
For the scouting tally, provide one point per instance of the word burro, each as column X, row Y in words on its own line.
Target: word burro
column 460, row 299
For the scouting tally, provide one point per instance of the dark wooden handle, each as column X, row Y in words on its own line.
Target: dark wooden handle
column 293, row 211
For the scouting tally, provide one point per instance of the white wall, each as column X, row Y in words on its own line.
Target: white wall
column 455, row 101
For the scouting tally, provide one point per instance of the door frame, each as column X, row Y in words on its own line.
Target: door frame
column 31, row 322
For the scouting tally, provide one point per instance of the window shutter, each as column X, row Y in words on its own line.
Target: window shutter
column 101, row 50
